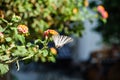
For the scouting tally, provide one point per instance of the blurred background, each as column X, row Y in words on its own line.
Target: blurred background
column 94, row 55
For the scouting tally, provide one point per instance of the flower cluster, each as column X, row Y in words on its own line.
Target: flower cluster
column 15, row 46
column 50, row 32
column 102, row 11
column 22, row 29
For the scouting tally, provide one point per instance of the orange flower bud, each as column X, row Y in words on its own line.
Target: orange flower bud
column 53, row 32
column 100, row 8
column 86, row 3
column 22, row 29
column 53, row 50
column 50, row 32
column 75, row 10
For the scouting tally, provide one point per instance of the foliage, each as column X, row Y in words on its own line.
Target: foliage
column 26, row 36
column 40, row 15
column 15, row 47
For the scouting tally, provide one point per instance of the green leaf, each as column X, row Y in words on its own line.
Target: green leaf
column 3, row 47
column 45, row 53
column 38, row 40
column 4, row 58
column 52, row 59
column 4, row 68
column 104, row 20
column 43, row 59
column 29, row 44
column 21, row 38
column 8, row 39
column 16, row 18
column 1, row 29
column 15, row 30
column 20, row 51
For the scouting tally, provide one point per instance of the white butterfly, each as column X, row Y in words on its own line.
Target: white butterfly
column 60, row 40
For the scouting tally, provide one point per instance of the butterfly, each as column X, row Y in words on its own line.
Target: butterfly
column 61, row 40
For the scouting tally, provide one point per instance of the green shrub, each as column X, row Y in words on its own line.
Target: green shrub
column 23, row 22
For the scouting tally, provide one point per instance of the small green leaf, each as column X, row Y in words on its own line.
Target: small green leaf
column 4, row 58
column 3, row 47
column 20, row 51
column 38, row 40
column 45, row 53
column 4, row 68
column 8, row 39
column 21, row 38
column 52, row 59
column 28, row 44
column 43, row 59
column 1, row 29
column 104, row 20
column 16, row 18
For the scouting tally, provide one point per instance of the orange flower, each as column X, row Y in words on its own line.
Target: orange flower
column 104, row 14
column 53, row 32
column 100, row 9
column 53, row 50
column 22, row 29
column 50, row 32
column 86, row 3
column 75, row 10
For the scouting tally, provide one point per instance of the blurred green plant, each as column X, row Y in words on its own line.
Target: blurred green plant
column 110, row 31
column 21, row 36
column 65, row 16
column 14, row 46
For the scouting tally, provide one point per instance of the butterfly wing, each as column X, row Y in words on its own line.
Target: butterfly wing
column 66, row 39
column 60, row 40
column 55, row 39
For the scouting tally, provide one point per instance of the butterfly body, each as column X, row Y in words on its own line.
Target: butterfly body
column 60, row 40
